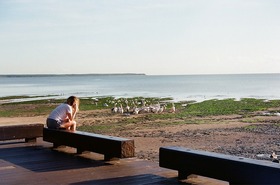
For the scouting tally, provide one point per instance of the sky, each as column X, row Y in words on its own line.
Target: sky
column 155, row 37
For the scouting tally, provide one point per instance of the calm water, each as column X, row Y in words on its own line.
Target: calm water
column 181, row 87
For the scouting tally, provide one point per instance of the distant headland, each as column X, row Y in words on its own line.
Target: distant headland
column 88, row 74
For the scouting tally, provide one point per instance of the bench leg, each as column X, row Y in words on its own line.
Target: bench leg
column 28, row 140
column 110, row 158
column 56, row 145
column 182, row 174
column 80, row 151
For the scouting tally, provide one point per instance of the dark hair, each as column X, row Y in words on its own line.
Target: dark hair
column 71, row 100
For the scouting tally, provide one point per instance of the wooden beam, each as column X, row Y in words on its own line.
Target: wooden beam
column 29, row 132
column 110, row 146
column 235, row 170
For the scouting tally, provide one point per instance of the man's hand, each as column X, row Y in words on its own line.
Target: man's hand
column 76, row 108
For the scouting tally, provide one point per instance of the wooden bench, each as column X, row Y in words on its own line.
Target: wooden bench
column 233, row 169
column 29, row 132
column 111, row 147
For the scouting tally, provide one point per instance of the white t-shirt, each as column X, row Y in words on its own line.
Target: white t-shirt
column 60, row 112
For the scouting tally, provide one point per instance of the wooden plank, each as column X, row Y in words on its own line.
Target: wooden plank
column 111, row 147
column 233, row 169
column 29, row 132
column 37, row 164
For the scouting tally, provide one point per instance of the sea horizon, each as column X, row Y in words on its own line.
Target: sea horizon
column 191, row 87
column 105, row 74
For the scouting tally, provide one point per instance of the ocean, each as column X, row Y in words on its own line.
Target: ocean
column 178, row 87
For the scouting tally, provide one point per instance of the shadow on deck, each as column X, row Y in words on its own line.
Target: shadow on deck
column 25, row 163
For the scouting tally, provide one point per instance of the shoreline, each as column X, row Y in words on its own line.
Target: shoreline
column 26, row 98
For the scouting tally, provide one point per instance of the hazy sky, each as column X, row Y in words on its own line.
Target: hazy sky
column 139, row 36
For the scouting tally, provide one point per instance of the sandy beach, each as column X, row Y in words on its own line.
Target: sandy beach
column 223, row 134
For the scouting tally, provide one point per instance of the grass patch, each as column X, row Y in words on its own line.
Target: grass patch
column 96, row 128
column 13, row 97
column 206, row 108
column 44, row 107
column 228, row 106
column 250, row 127
column 186, row 112
column 23, row 97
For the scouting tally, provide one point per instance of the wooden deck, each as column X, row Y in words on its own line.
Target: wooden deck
column 36, row 163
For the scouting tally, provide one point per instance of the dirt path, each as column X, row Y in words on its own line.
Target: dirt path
column 22, row 120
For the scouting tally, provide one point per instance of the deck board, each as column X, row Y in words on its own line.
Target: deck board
column 36, row 163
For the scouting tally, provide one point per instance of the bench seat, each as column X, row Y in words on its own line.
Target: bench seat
column 233, row 169
column 29, row 132
column 111, row 147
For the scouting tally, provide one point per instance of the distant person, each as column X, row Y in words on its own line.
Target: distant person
column 62, row 117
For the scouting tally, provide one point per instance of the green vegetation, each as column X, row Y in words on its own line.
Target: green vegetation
column 229, row 106
column 206, row 108
column 22, row 97
column 13, row 97
column 97, row 128
column 250, row 127
column 43, row 107
column 109, row 102
column 214, row 107
column 186, row 112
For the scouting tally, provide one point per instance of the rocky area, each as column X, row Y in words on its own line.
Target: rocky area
column 251, row 140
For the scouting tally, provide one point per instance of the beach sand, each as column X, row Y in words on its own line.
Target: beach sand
column 21, row 120
column 223, row 134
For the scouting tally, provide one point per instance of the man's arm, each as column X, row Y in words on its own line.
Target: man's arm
column 75, row 110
